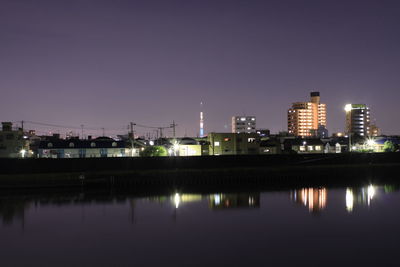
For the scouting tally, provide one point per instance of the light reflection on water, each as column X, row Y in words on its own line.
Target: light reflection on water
column 315, row 199
column 245, row 223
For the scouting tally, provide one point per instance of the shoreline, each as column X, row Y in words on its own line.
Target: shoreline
column 145, row 179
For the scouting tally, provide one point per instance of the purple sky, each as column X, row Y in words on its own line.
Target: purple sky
column 106, row 63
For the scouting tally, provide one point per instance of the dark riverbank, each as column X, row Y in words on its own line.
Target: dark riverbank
column 318, row 169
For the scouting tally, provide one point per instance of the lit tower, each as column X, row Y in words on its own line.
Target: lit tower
column 201, row 120
column 305, row 118
column 357, row 120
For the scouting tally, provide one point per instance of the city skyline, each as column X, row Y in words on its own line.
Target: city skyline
column 108, row 62
column 143, row 130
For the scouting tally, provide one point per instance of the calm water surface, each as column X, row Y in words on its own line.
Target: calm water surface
column 357, row 226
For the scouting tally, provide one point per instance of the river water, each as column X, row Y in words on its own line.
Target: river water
column 358, row 226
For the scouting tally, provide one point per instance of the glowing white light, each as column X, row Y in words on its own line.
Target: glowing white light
column 176, row 147
column 217, row 199
column 177, row 200
column 348, row 107
column 370, row 142
column 251, row 201
column 370, row 193
column 349, row 200
column 23, row 152
column 151, row 143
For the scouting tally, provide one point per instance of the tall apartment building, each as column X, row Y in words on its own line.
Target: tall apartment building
column 357, row 119
column 243, row 124
column 304, row 118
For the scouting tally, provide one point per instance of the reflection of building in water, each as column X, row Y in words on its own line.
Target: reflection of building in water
column 360, row 196
column 227, row 201
column 178, row 199
column 313, row 198
column 13, row 209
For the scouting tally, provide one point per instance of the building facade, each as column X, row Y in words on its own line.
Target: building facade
column 13, row 142
column 304, row 118
column 357, row 120
column 243, row 124
column 233, row 143
column 304, row 146
column 76, row 148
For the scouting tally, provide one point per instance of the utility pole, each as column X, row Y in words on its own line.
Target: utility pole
column 173, row 125
column 132, row 137
column 22, row 126
column 133, row 129
column 160, row 129
column 350, row 146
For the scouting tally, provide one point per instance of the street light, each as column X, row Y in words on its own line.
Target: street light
column 23, row 152
column 370, row 142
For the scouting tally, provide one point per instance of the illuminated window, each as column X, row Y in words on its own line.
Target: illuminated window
column 227, row 139
column 302, row 148
column 317, row 147
column 216, row 143
column 310, row 148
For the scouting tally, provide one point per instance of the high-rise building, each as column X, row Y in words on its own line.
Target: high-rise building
column 357, row 119
column 243, row 124
column 304, row 118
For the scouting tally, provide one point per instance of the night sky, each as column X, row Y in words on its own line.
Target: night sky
column 106, row 63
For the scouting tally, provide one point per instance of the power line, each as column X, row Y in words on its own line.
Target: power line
column 151, row 127
column 74, row 127
column 59, row 126
column 115, row 130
